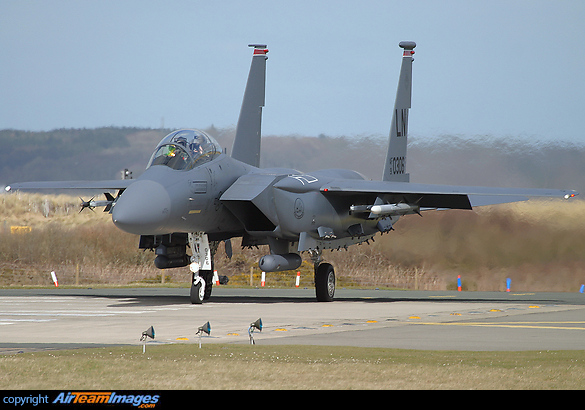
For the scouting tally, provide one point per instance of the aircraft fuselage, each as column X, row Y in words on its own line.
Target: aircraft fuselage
column 164, row 200
column 280, row 203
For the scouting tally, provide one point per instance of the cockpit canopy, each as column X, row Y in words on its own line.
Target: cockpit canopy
column 185, row 149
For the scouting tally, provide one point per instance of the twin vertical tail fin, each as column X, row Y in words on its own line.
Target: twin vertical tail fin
column 246, row 146
column 395, row 166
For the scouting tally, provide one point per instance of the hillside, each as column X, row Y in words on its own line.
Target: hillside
column 104, row 152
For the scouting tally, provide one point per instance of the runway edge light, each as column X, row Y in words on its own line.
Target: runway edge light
column 254, row 325
column 146, row 334
column 206, row 328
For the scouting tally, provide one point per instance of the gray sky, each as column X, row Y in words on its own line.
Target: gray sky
column 501, row 68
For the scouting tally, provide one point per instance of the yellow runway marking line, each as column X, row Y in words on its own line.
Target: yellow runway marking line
column 444, row 296
column 519, row 325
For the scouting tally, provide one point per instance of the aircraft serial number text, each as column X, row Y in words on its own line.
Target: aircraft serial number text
column 398, row 165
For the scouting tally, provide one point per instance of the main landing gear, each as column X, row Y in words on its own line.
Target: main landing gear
column 202, row 271
column 324, row 278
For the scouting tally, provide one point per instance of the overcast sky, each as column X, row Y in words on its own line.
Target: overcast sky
column 502, row 68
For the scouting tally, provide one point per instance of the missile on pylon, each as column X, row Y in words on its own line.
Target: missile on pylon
column 395, row 209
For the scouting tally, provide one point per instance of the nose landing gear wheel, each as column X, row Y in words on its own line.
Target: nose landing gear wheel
column 197, row 293
column 324, row 282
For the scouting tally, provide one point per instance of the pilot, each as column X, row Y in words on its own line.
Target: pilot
column 180, row 141
column 196, row 149
column 196, row 146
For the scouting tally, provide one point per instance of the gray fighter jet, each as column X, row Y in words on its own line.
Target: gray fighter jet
column 193, row 195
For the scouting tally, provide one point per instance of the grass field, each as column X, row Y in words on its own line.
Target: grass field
column 185, row 366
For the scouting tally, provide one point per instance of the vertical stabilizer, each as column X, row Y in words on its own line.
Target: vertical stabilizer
column 395, row 166
column 246, row 146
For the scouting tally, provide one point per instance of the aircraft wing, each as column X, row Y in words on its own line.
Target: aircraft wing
column 442, row 196
column 101, row 185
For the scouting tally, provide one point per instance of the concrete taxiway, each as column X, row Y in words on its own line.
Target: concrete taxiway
column 70, row 318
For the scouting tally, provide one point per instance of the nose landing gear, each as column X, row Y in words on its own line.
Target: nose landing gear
column 201, row 267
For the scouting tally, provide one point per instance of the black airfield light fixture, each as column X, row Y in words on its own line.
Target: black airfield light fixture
column 206, row 328
column 146, row 334
column 254, row 325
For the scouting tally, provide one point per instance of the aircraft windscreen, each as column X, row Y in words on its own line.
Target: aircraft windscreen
column 185, row 149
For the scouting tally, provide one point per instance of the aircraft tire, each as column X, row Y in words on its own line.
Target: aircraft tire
column 196, row 294
column 325, row 282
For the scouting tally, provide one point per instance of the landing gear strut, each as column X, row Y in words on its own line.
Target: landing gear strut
column 201, row 267
column 324, row 278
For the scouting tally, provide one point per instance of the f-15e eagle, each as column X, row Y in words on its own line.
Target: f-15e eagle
column 193, row 195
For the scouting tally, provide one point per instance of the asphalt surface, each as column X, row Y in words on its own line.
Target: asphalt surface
column 44, row 319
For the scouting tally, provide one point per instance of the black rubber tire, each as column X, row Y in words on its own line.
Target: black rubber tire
column 325, row 282
column 196, row 295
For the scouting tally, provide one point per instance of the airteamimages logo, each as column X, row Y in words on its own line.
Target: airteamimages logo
column 141, row 401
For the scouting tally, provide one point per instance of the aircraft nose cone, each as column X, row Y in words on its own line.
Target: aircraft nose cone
column 143, row 208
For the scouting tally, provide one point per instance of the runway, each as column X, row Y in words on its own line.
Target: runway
column 58, row 318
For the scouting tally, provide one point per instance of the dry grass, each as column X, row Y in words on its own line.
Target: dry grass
column 289, row 367
column 35, row 210
column 539, row 245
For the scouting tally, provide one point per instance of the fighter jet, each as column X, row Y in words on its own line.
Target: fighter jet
column 194, row 195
